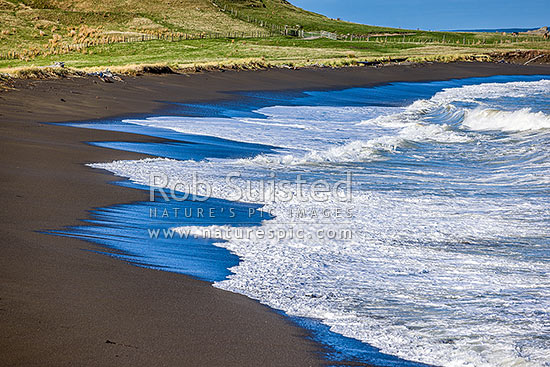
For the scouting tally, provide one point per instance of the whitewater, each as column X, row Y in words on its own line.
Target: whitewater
column 449, row 262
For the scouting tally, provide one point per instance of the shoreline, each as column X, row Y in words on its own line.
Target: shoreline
column 99, row 100
column 59, row 304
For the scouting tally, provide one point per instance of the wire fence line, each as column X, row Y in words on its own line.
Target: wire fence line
column 174, row 37
column 62, row 48
column 274, row 28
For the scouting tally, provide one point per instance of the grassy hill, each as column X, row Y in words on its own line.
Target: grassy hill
column 39, row 23
column 86, row 33
column 43, row 23
column 284, row 13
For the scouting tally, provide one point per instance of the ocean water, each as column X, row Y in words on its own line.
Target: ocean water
column 438, row 254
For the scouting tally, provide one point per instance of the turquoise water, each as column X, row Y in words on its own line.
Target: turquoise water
column 440, row 254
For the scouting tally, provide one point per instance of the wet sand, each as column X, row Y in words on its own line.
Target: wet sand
column 62, row 303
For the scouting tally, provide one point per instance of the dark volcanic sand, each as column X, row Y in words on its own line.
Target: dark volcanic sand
column 61, row 304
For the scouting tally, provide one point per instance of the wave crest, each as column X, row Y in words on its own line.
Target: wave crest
column 492, row 119
column 364, row 151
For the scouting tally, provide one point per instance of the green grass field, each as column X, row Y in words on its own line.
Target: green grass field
column 86, row 34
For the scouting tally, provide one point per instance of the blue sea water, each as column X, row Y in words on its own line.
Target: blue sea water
column 440, row 255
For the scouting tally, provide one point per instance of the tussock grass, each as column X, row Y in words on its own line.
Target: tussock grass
column 34, row 72
column 452, row 58
column 166, row 68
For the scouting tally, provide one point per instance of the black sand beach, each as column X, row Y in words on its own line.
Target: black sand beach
column 63, row 304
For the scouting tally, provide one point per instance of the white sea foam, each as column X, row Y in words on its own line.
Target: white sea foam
column 436, row 271
column 319, row 128
column 469, row 93
column 480, row 118
column 363, row 151
column 409, row 282
column 520, row 120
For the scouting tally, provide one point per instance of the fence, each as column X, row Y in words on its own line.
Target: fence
column 170, row 36
column 321, row 34
column 272, row 27
column 415, row 38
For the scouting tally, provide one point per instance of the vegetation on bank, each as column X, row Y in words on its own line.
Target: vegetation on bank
column 184, row 34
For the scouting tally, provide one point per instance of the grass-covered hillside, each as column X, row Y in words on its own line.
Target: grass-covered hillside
column 39, row 24
column 52, row 24
column 89, row 33
column 283, row 12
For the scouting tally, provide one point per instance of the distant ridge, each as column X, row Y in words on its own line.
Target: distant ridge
column 507, row 30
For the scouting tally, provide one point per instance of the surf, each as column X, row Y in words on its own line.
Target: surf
column 449, row 256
